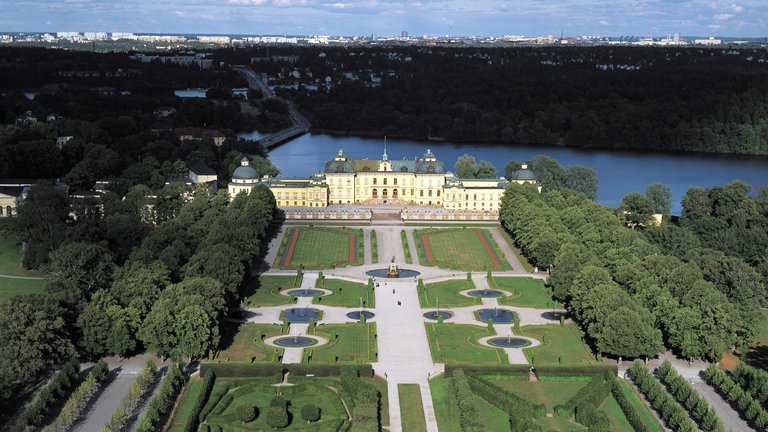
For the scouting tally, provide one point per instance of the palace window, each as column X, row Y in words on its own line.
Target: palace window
column 394, row 182
column 385, row 180
column 430, row 192
column 438, row 192
column 421, row 193
column 374, row 180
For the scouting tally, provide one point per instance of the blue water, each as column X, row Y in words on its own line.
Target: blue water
column 301, row 315
column 619, row 172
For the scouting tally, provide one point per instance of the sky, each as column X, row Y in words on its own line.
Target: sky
column 739, row 18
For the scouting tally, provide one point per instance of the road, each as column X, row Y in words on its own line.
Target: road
column 300, row 123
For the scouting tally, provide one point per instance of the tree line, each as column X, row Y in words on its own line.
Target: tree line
column 637, row 291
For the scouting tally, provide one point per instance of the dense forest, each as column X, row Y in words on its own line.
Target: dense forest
column 670, row 99
column 694, row 285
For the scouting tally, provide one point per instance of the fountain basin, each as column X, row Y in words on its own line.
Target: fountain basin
column 295, row 341
column 356, row 315
column 384, row 273
column 433, row 315
column 305, row 292
column 496, row 315
column 301, row 315
column 508, row 342
column 485, row 293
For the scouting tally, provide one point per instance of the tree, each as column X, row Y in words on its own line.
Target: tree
column 661, row 197
column 548, row 172
column 636, row 209
column 486, row 170
column 466, row 167
column 42, row 221
column 246, row 413
column 510, row 168
column 310, row 413
column 277, row 417
column 221, row 262
column 193, row 330
column 33, row 337
column 80, row 268
column 139, row 285
column 582, row 179
column 157, row 330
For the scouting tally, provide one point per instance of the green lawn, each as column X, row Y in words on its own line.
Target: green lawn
column 346, row 294
column 558, row 344
column 242, row 342
column 406, row 249
column 186, row 404
column 448, row 294
column 321, row 247
column 257, row 393
column 457, row 344
column 460, row 249
column 265, row 291
column 10, row 265
column 526, row 292
column 640, row 407
column 549, row 393
column 356, row 343
column 447, row 413
column 616, row 416
column 411, row 408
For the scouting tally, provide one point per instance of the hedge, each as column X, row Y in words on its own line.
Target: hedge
column 469, row 418
column 583, row 405
column 209, row 377
column 687, row 397
column 512, row 369
column 544, row 373
column 753, row 380
column 663, row 403
column 521, row 411
column 633, row 417
column 60, row 385
column 250, row 370
column 80, row 398
column 568, row 371
column 214, row 399
column 739, row 399
column 159, row 405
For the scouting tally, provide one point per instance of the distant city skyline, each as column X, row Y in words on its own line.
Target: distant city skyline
column 745, row 18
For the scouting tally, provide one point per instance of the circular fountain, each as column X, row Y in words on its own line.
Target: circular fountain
column 355, row 315
column 295, row 341
column 306, row 292
column 436, row 314
column 508, row 342
column 392, row 272
column 496, row 315
column 301, row 315
column 485, row 293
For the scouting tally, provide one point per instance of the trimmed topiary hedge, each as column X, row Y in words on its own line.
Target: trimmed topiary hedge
column 209, row 377
column 521, row 411
column 159, row 405
column 689, row 398
column 739, row 399
column 583, row 405
column 753, row 380
column 469, row 418
column 673, row 414
column 633, row 417
column 506, row 370
column 249, row 370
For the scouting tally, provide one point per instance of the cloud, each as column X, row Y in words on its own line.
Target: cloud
column 723, row 16
column 603, row 22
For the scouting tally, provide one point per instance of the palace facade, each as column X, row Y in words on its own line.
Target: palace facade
column 422, row 181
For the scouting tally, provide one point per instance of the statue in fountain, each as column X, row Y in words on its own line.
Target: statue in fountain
column 393, row 271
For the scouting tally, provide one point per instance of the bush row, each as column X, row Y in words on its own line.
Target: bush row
column 505, row 370
column 521, row 411
column 633, row 417
column 689, row 398
column 469, row 418
column 250, row 370
column 159, row 405
column 59, row 386
column 80, row 398
column 361, row 391
column 542, row 372
column 217, row 396
column 136, row 393
column 753, row 380
column 197, row 405
column 741, row 400
column 673, row 414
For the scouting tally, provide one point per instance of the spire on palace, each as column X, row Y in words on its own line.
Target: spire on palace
column 384, row 157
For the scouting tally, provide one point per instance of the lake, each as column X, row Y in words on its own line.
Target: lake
column 619, row 172
column 200, row 92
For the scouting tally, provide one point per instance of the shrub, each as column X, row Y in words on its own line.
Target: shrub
column 686, row 396
column 197, row 405
column 278, row 401
column 633, row 417
column 588, row 398
column 521, row 411
column 246, row 413
column 131, row 401
column 310, row 413
column 81, row 397
column 40, row 407
column 469, row 419
column 250, row 370
column 673, row 414
column 277, row 417
column 159, row 405
column 753, row 380
column 740, row 399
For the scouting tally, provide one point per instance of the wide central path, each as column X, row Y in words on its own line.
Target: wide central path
column 404, row 356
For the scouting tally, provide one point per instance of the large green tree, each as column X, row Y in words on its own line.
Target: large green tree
column 661, row 197
column 80, row 268
column 582, row 179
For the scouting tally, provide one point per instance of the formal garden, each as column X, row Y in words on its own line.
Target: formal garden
column 345, row 293
column 340, row 247
column 244, row 342
column 467, row 249
column 526, row 292
column 347, row 343
column 458, row 344
column 265, row 290
column 446, row 293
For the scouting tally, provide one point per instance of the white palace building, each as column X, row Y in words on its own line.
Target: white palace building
column 422, row 181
